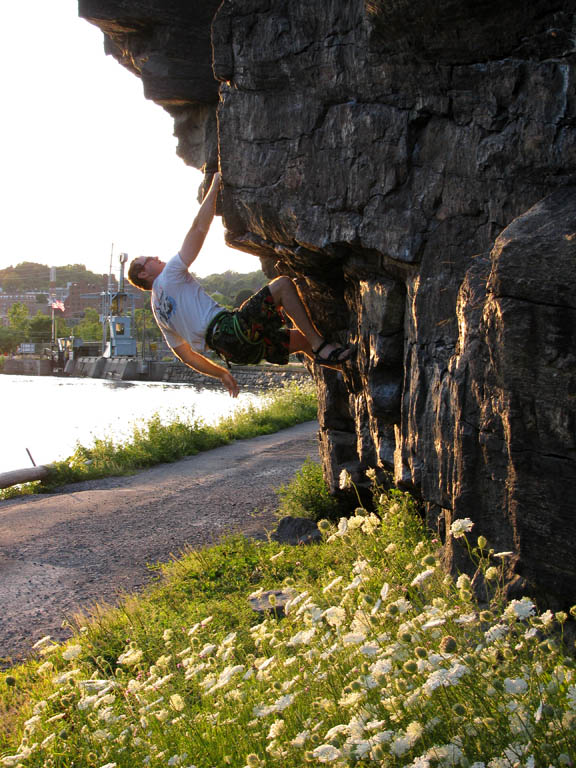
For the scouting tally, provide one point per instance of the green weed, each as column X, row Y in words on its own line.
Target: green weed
column 307, row 494
column 381, row 660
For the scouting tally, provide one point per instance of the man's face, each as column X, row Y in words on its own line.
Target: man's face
column 150, row 267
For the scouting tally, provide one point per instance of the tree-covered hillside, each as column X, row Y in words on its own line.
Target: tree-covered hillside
column 232, row 288
column 31, row 276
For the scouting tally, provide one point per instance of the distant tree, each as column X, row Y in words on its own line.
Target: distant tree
column 18, row 318
column 241, row 296
column 9, row 340
column 221, row 299
column 90, row 328
column 30, row 276
column 144, row 321
column 229, row 284
column 40, row 328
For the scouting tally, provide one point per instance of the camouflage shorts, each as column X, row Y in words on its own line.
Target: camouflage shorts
column 255, row 331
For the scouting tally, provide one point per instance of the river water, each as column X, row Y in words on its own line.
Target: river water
column 49, row 415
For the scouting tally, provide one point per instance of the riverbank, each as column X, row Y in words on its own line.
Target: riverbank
column 173, row 371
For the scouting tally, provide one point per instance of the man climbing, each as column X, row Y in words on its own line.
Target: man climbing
column 191, row 320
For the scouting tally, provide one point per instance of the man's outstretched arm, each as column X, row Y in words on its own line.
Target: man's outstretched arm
column 194, row 240
column 203, row 365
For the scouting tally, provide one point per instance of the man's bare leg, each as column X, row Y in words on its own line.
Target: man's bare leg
column 299, row 343
column 285, row 295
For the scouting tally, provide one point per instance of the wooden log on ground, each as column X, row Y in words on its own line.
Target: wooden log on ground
column 27, row 475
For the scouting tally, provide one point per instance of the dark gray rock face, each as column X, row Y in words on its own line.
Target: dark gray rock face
column 413, row 164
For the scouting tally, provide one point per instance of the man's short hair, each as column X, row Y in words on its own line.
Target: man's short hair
column 134, row 276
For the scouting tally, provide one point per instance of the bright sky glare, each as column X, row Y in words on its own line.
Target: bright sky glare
column 86, row 160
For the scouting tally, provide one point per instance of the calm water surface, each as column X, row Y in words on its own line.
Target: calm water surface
column 49, row 415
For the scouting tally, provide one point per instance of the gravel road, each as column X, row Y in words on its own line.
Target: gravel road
column 94, row 541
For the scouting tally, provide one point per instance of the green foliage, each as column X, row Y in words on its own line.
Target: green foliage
column 307, row 495
column 26, row 276
column 30, row 276
column 9, row 340
column 40, row 328
column 18, row 317
column 229, row 285
column 381, row 660
column 90, row 327
column 144, row 322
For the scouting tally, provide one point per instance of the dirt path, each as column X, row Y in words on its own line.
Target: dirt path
column 94, row 541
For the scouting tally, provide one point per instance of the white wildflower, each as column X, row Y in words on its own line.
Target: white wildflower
column 345, row 480
column 332, row 584
column 335, row 616
column 130, row 657
column 437, row 622
column 351, row 699
column 496, row 632
column 414, row 732
column 177, row 702
column 515, row 685
column 399, row 746
column 276, row 729
column 304, row 637
column 300, row 739
column 370, row 649
column 371, row 523
column 547, row 618
column 225, row 676
column 460, row 527
column 354, row 523
column 97, row 686
column 42, row 643
column 353, row 638
column 447, row 755
column 207, row 649
column 421, row 577
column 466, row 618
column 520, row 609
column 289, row 606
column 445, row 677
column 326, row 753
column 354, row 584
column 45, row 668
column 342, row 526
column 72, row 652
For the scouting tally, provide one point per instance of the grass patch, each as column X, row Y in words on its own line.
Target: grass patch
column 155, row 443
column 307, row 494
column 382, row 660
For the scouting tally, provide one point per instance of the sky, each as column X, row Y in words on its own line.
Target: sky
column 88, row 165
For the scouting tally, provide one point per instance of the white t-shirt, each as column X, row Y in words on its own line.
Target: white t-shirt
column 182, row 309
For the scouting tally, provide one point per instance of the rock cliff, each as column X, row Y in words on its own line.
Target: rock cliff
column 413, row 164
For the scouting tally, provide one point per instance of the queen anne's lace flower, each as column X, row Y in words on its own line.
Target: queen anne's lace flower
column 520, row 609
column 345, row 480
column 515, row 685
column 461, row 527
column 421, row 577
column 326, row 753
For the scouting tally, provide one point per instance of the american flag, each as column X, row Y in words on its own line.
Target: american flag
column 57, row 304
